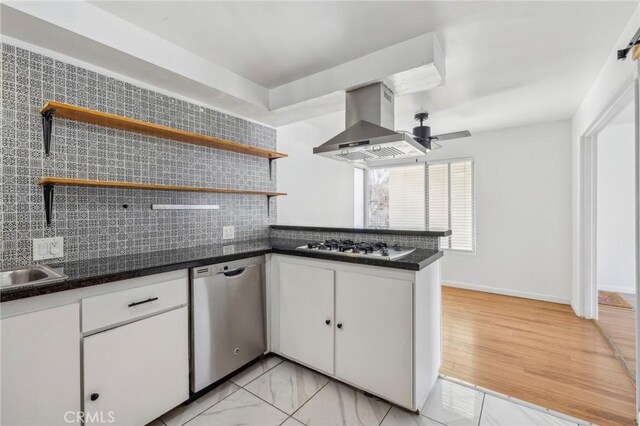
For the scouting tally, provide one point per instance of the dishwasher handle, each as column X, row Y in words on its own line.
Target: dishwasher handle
column 235, row 272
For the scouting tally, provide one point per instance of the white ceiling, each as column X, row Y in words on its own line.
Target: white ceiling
column 508, row 63
column 273, row 43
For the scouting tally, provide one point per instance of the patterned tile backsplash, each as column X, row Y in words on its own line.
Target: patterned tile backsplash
column 93, row 221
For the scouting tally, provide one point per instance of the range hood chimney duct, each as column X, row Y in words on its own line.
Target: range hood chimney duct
column 369, row 135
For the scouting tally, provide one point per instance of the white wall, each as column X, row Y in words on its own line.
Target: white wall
column 523, row 195
column 612, row 77
column 320, row 190
column 615, row 209
column 523, row 211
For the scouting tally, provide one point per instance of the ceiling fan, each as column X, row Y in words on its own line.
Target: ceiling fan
column 422, row 133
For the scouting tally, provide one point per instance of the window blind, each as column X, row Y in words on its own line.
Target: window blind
column 397, row 197
column 451, row 202
column 406, row 197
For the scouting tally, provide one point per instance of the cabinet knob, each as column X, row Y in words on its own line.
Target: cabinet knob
column 95, row 396
column 328, row 322
column 339, row 325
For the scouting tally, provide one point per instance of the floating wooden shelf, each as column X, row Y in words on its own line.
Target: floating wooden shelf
column 49, row 182
column 58, row 109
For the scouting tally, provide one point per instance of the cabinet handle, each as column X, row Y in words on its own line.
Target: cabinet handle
column 328, row 322
column 95, row 396
column 151, row 299
column 339, row 325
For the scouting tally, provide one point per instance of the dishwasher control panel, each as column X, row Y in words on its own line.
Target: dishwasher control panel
column 209, row 270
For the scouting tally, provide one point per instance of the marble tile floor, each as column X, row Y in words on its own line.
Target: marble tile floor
column 275, row 392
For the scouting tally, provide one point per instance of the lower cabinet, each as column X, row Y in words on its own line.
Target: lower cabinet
column 40, row 367
column 306, row 315
column 352, row 322
column 373, row 341
column 135, row 372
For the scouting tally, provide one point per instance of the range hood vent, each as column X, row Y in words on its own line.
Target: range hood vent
column 368, row 136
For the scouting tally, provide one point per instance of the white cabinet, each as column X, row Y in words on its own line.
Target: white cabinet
column 40, row 367
column 384, row 333
column 373, row 344
column 306, row 315
column 136, row 372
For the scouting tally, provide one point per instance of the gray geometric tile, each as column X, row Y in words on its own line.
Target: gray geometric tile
column 87, row 151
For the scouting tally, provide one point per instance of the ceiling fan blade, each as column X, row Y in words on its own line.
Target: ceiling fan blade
column 435, row 146
column 454, row 135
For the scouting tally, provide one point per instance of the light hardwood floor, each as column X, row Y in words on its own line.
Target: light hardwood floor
column 539, row 352
column 619, row 325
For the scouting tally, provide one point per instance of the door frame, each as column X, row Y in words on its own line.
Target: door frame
column 637, row 208
column 587, row 261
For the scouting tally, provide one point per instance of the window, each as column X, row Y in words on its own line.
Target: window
column 450, row 202
column 396, row 197
column 435, row 195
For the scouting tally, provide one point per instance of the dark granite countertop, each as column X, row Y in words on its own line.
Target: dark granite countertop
column 415, row 261
column 415, row 232
column 85, row 273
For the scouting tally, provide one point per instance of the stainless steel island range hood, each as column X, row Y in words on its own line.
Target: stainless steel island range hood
column 368, row 135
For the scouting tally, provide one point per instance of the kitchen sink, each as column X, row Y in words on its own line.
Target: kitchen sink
column 29, row 275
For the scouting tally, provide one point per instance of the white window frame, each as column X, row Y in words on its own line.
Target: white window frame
column 365, row 219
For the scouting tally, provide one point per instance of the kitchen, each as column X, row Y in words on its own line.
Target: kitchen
column 287, row 242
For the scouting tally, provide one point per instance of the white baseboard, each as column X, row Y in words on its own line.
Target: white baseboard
column 507, row 292
column 626, row 290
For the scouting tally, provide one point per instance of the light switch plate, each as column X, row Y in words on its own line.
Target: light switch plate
column 228, row 232
column 48, row 248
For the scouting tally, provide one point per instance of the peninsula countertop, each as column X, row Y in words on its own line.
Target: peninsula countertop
column 85, row 273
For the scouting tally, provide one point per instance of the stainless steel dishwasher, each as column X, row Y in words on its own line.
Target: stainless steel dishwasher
column 227, row 318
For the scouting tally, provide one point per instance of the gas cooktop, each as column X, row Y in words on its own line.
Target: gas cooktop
column 379, row 250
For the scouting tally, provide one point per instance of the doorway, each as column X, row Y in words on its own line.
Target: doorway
column 587, row 296
column 615, row 235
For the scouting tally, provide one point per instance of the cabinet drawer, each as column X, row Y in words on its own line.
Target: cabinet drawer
column 115, row 308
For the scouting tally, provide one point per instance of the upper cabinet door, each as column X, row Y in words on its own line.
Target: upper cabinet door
column 306, row 315
column 40, row 367
column 137, row 372
column 374, row 328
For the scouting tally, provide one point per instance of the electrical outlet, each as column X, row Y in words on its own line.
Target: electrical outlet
column 48, row 248
column 228, row 232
